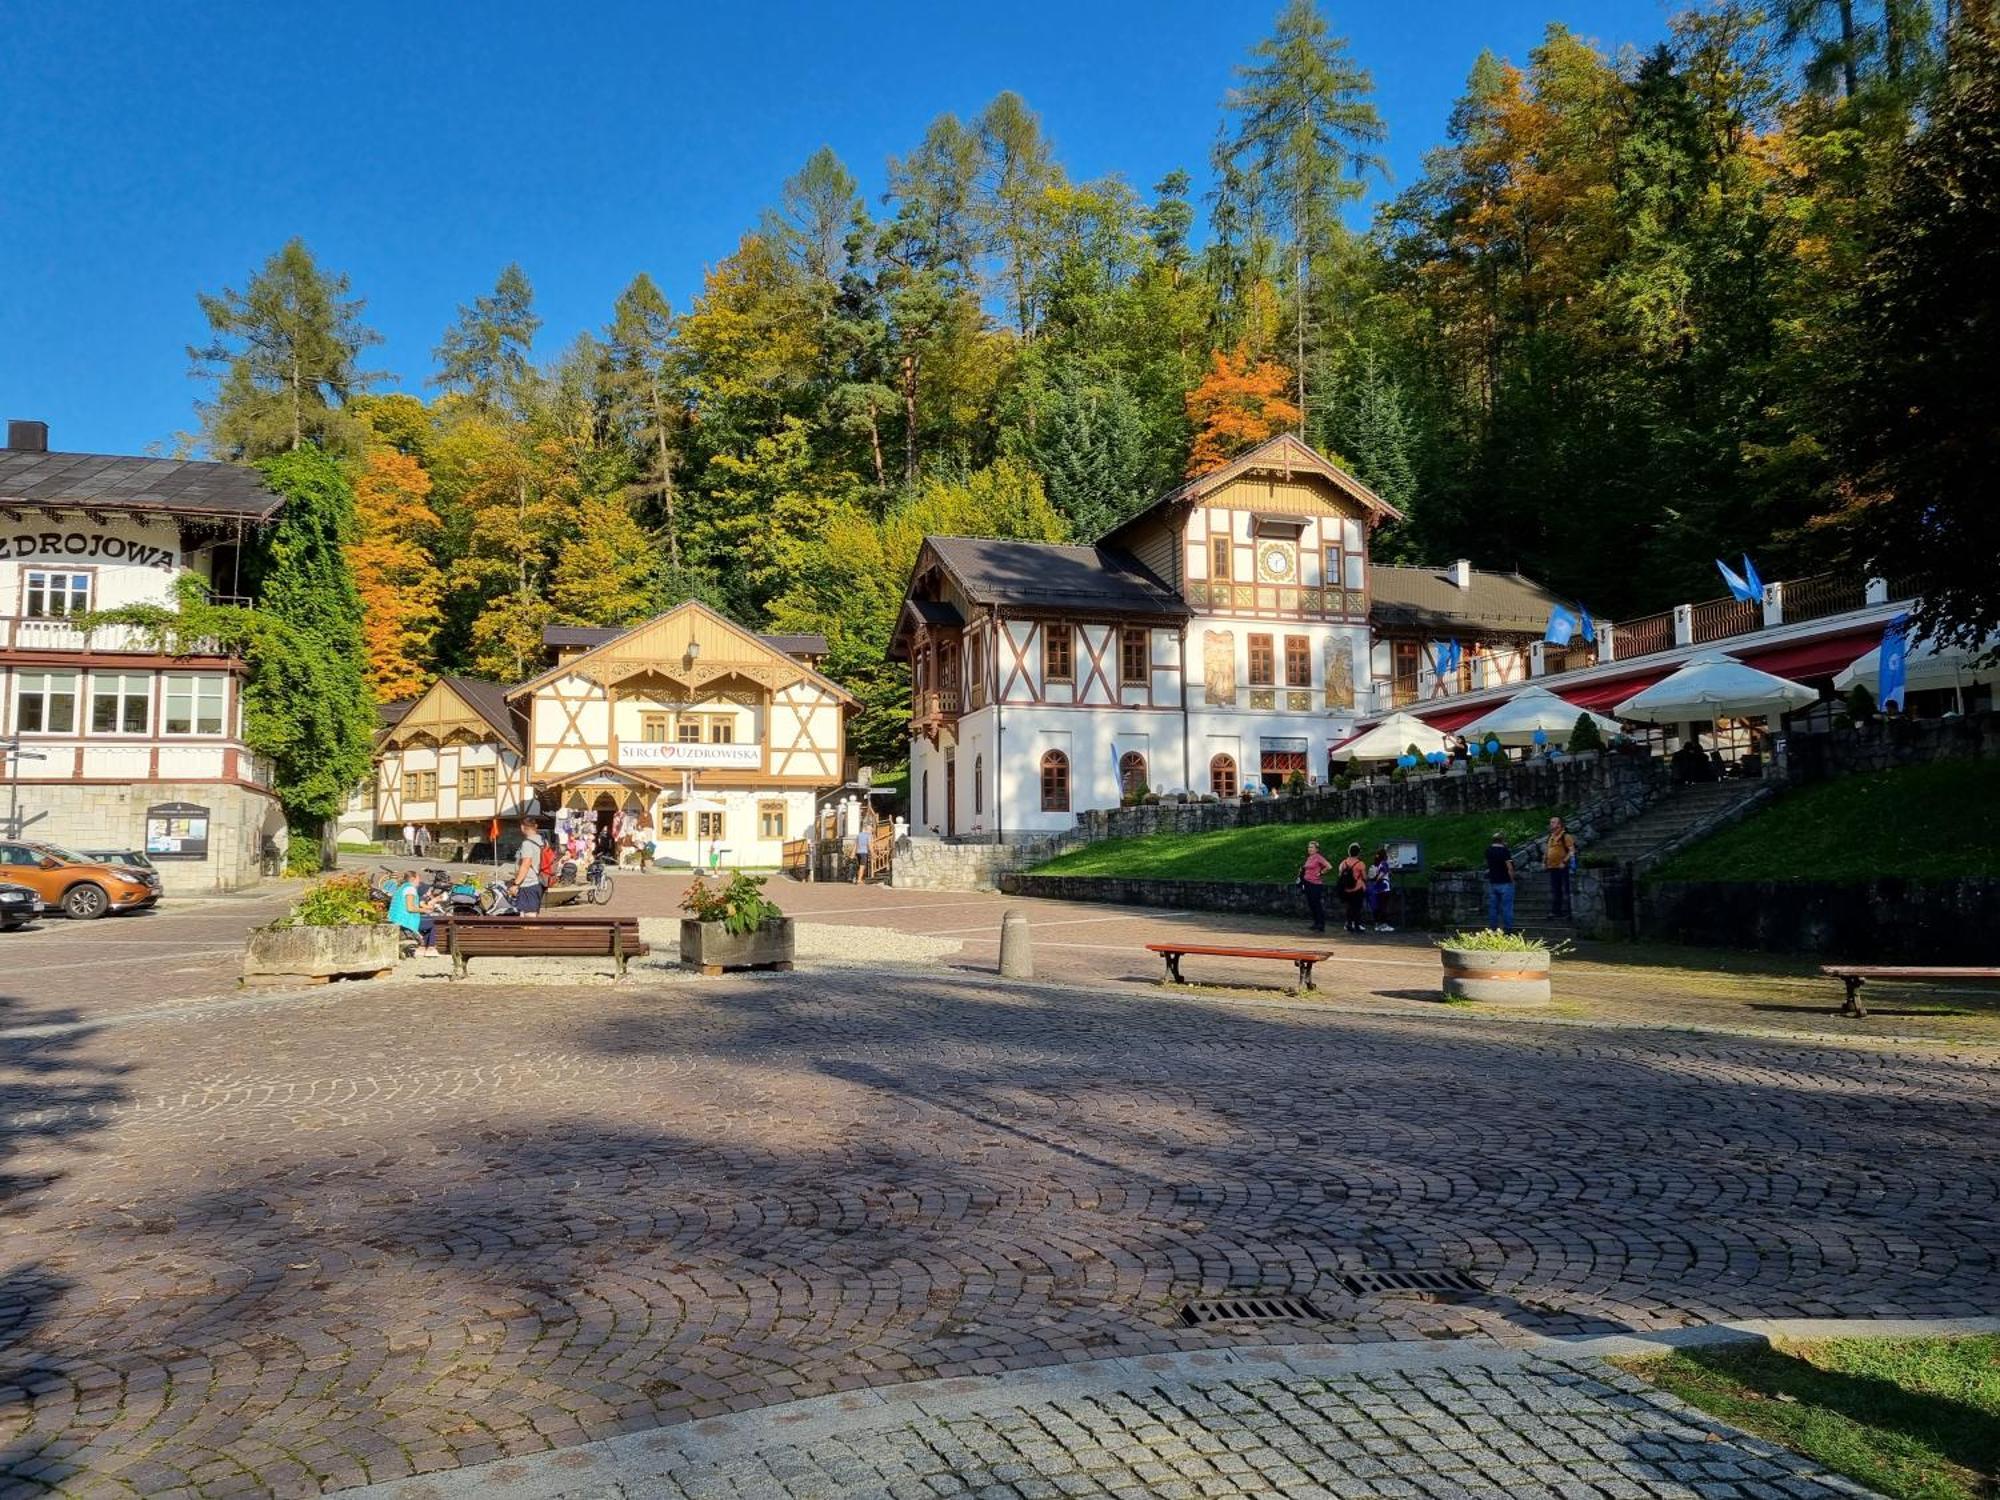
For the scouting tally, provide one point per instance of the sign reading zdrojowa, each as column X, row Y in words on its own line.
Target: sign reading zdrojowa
column 85, row 546
column 693, row 757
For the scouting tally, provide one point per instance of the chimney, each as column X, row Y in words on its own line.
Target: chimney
column 27, row 437
column 1461, row 573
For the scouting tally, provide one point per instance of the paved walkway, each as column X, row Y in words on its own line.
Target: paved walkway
column 376, row 1231
column 1383, row 1420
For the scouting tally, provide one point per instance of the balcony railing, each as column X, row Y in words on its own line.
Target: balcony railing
column 1719, row 618
column 1827, row 594
column 934, row 707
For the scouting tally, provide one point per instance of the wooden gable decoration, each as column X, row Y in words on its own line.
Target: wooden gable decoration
column 658, row 649
column 440, row 716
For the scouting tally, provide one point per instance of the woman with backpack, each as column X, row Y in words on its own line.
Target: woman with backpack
column 1352, row 883
column 1312, row 880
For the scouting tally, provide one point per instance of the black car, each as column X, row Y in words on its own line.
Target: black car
column 18, row 905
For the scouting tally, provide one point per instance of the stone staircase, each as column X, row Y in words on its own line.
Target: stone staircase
column 1674, row 819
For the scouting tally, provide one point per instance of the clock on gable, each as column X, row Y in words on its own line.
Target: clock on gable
column 1277, row 562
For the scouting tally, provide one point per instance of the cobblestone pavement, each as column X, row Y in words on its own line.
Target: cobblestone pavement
column 344, row 1237
column 1508, row 1430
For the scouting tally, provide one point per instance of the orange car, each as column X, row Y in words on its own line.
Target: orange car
column 80, row 887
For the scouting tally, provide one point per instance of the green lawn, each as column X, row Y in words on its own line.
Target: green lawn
column 1920, row 821
column 1275, row 851
column 1917, row 1419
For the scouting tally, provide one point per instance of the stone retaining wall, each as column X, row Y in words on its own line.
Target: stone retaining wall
column 95, row 815
column 1890, row 919
column 1253, row 897
column 1886, row 743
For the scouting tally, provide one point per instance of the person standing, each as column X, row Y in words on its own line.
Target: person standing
column 526, row 887
column 1378, row 890
column 1499, row 884
column 1352, row 883
column 1559, row 859
column 1312, row 880
column 409, row 838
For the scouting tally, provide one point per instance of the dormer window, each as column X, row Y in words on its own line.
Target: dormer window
column 55, row 595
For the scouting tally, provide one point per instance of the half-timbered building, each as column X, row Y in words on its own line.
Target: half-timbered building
column 453, row 761
column 1222, row 640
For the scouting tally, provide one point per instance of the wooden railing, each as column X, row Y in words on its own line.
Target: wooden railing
column 1826, row 594
column 1645, row 635
column 1717, row 618
column 942, row 704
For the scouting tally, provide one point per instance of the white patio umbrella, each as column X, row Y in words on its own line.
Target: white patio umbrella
column 1928, row 665
column 1391, row 738
column 1715, row 686
column 692, row 808
column 1515, row 721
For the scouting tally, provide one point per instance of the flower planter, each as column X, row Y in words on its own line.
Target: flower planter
column 1496, row 978
column 712, row 947
column 314, row 955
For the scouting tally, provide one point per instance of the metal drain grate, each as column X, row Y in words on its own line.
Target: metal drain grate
column 1208, row 1310
column 1408, row 1283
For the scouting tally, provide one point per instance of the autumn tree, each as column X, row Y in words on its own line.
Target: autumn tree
column 284, row 354
column 609, row 573
column 1239, row 404
column 1306, row 126
column 393, row 556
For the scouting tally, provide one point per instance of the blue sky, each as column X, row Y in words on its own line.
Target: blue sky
column 152, row 149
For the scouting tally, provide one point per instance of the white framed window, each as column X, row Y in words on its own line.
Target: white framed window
column 45, row 703
column 194, row 703
column 55, row 594
column 120, row 703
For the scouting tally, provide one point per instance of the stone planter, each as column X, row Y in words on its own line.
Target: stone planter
column 314, row 955
column 712, row 947
column 1496, row 978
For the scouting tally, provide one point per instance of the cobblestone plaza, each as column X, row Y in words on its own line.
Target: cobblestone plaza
column 307, row 1242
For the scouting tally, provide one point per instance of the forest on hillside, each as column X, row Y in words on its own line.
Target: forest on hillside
column 1638, row 311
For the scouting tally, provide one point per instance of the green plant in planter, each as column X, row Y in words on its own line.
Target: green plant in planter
column 1493, row 940
column 1295, row 784
column 337, row 901
column 1585, row 736
column 740, row 906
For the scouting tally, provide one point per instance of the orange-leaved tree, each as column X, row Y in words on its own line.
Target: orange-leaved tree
column 1239, row 403
column 400, row 584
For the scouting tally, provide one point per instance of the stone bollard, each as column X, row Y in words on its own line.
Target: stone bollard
column 1017, row 949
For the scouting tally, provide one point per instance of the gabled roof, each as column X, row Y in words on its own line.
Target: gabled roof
column 163, row 486
column 586, row 636
column 1429, row 597
column 701, row 619
column 605, row 771
column 487, row 702
column 1284, row 454
column 1054, row 576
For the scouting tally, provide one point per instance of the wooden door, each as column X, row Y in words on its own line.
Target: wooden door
column 950, row 796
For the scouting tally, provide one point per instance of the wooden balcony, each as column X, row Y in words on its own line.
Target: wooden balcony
column 932, row 711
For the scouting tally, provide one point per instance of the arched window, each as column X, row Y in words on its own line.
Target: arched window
column 978, row 785
column 1222, row 776
column 924, row 801
column 1055, row 782
column 1131, row 772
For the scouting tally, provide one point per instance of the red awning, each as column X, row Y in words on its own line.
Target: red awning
column 1602, row 696
column 1445, row 720
column 1804, row 660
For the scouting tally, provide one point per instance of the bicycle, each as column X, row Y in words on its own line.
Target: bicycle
column 597, row 880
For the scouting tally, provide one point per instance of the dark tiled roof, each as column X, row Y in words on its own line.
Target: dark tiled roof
column 936, row 613
column 489, row 701
column 587, row 636
column 167, row 486
column 1429, row 597
column 389, row 715
column 1052, row 576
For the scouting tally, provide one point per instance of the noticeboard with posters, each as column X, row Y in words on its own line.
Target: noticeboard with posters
column 176, row 830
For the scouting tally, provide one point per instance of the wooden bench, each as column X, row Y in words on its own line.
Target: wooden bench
column 1855, row 975
column 466, row 938
column 1304, row 958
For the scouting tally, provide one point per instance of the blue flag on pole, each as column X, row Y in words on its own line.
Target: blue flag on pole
column 1562, row 626
column 1589, row 630
column 1750, row 579
column 1893, row 674
column 1739, row 586
column 1447, row 656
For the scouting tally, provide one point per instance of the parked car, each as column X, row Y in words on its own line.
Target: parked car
column 126, row 859
column 79, row 887
column 18, row 905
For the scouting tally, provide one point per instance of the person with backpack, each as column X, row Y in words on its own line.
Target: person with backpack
column 1352, row 883
column 534, row 868
column 1312, row 880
